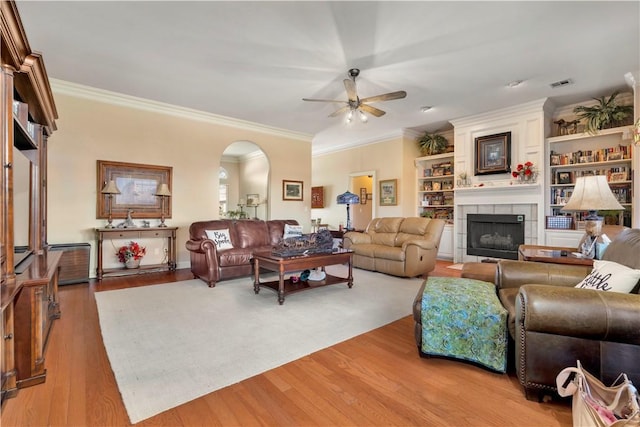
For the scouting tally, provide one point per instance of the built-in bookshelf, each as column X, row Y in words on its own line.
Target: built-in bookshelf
column 607, row 153
column 435, row 183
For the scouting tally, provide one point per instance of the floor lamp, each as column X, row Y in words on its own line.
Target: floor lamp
column 110, row 189
column 348, row 198
column 163, row 192
column 592, row 194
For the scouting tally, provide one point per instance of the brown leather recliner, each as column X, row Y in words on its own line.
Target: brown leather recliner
column 554, row 324
column 247, row 237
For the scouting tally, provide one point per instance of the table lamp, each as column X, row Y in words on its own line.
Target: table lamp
column 348, row 198
column 592, row 194
column 110, row 189
column 163, row 192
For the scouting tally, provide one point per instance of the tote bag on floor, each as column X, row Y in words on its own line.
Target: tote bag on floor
column 596, row 405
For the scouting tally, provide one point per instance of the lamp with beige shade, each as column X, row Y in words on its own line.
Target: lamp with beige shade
column 163, row 192
column 110, row 188
column 592, row 194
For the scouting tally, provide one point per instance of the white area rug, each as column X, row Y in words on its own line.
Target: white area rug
column 171, row 343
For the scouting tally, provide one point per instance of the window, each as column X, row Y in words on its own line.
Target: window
column 223, row 191
column 223, row 174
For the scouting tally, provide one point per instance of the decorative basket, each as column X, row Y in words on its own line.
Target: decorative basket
column 559, row 222
column 314, row 243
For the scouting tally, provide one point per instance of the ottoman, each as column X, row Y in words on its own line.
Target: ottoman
column 463, row 319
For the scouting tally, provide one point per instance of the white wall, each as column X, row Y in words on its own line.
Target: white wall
column 96, row 125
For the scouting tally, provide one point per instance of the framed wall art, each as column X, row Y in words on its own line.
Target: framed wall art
column 493, row 154
column 253, row 200
column 292, row 190
column 363, row 196
column 389, row 192
column 317, row 197
column 137, row 184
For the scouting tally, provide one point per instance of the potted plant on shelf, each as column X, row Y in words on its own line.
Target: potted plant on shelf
column 605, row 114
column 131, row 254
column 432, row 143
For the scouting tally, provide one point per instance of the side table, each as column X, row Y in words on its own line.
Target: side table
column 168, row 233
column 551, row 254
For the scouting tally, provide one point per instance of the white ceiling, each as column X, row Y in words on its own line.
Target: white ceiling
column 255, row 61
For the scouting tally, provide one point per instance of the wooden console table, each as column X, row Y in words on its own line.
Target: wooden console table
column 168, row 233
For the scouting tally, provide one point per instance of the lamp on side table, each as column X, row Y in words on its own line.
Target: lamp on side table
column 163, row 192
column 110, row 189
column 592, row 194
column 348, row 198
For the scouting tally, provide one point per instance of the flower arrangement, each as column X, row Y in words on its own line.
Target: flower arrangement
column 524, row 171
column 131, row 250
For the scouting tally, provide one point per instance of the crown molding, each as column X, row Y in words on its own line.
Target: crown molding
column 114, row 98
column 258, row 154
column 532, row 107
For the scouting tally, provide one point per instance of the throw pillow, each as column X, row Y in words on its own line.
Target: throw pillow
column 292, row 231
column 221, row 238
column 610, row 276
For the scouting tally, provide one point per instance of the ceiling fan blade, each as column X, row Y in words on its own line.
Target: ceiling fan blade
column 386, row 96
column 324, row 100
column 340, row 111
column 372, row 110
column 350, row 86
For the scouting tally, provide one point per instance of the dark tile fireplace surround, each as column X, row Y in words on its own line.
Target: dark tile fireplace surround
column 495, row 235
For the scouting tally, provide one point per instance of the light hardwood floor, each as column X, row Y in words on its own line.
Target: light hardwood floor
column 376, row 379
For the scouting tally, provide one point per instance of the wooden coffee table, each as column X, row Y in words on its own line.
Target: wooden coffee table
column 282, row 265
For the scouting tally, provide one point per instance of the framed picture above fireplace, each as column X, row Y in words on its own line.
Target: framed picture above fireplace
column 493, row 154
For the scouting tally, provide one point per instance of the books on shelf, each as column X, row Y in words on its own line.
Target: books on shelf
column 613, row 174
column 620, row 152
column 561, row 195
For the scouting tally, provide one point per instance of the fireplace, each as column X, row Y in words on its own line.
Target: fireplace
column 495, row 235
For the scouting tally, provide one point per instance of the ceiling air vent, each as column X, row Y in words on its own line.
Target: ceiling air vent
column 561, row 83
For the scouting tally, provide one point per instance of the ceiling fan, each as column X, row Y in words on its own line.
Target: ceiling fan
column 355, row 104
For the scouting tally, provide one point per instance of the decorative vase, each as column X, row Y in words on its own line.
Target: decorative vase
column 528, row 179
column 132, row 263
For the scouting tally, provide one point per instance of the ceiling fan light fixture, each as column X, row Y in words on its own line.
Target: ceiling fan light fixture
column 354, row 102
column 350, row 116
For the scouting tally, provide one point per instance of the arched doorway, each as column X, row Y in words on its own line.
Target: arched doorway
column 246, row 186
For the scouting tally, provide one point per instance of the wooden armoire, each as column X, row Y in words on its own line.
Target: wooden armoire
column 29, row 272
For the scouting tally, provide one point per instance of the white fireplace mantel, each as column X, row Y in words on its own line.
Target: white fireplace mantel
column 498, row 194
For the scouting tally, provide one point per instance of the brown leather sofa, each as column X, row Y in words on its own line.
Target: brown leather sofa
column 556, row 325
column 247, row 236
column 552, row 324
column 405, row 247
